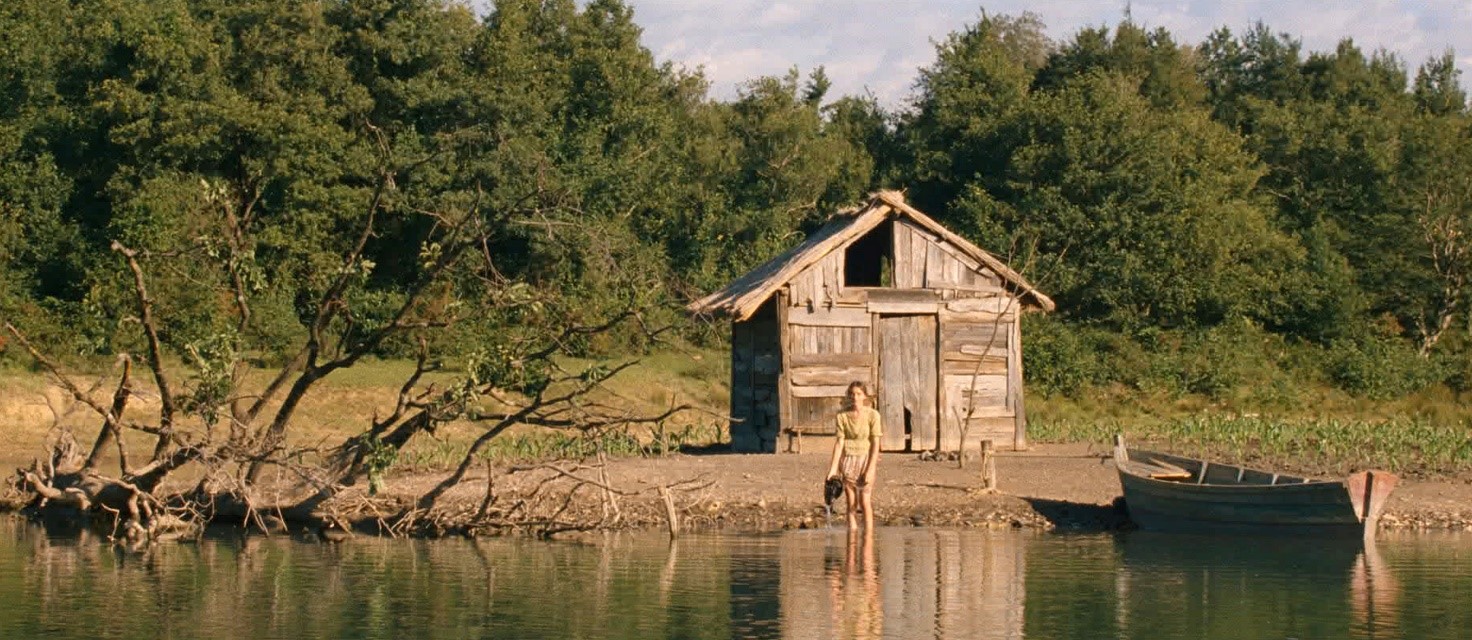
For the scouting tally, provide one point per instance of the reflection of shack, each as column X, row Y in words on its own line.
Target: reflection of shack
column 886, row 295
column 921, row 583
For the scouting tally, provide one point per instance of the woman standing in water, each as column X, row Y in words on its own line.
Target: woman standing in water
column 856, row 453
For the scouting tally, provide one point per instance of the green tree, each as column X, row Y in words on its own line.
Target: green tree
column 1140, row 217
column 1438, row 87
column 1433, row 217
column 1239, row 73
column 955, row 130
column 1166, row 71
column 779, row 164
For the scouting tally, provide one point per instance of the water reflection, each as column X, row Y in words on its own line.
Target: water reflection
column 1271, row 587
column 855, row 600
column 858, row 610
column 902, row 583
column 895, row 583
column 1374, row 595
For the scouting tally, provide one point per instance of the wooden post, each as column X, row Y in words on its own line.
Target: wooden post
column 988, row 466
column 1014, row 383
column 671, row 516
column 784, row 378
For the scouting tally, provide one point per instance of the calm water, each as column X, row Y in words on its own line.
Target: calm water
column 904, row 583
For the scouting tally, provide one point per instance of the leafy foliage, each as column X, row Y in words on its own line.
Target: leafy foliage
column 1165, row 194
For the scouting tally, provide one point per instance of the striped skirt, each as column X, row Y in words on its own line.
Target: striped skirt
column 851, row 467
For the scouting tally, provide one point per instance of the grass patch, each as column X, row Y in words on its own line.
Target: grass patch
column 1308, row 427
column 1304, row 427
column 545, row 445
column 1412, row 446
column 343, row 404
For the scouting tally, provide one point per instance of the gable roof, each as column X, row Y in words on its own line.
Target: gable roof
column 741, row 298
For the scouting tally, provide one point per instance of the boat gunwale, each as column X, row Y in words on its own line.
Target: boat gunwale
column 1353, row 493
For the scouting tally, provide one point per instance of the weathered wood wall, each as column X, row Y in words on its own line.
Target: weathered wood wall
column 818, row 285
column 828, row 347
column 923, row 260
column 979, row 350
column 907, row 382
column 941, row 342
column 756, row 367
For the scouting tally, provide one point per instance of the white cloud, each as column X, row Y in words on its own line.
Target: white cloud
column 779, row 15
column 880, row 45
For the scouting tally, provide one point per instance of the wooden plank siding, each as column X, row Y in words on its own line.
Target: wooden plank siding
column 1014, row 389
column 828, row 344
column 939, row 341
column 800, row 360
column 743, row 390
column 819, row 375
column 911, row 249
column 987, row 308
column 897, row 301
column 770, row 434
column 818, row 285
column 837, row 316
column 824, row 391
column 806, row 340
column 816, row 413
column 975, row 339
column 977, row 335
column 907, row 381
column 982, row 366
column 756, row 366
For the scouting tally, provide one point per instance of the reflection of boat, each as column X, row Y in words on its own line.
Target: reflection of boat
column 1374, row 594
column 1167, row 492
column 1173, row 585
column 1289, row 560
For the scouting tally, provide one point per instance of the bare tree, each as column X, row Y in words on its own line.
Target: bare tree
column 520, row 379
column 1443, row 223
column 1009, row 308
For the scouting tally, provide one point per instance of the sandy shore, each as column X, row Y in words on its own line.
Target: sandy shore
column 1070, row 487
column 1067, row 487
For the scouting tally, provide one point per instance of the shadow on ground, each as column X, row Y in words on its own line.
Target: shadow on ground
column 1082, row 516
column 706, row 449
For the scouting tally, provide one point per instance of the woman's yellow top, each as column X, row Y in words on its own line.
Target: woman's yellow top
column 856, row 429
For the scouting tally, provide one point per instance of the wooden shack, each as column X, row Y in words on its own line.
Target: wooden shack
column 884, row 294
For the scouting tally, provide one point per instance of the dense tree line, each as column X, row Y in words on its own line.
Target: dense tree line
column 1197, row 210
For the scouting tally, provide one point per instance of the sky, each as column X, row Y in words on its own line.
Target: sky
column 876, row 47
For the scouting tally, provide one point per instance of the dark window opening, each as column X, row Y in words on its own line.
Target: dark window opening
column 869, row 261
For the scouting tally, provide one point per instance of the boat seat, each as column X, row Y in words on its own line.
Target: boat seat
column 1160, row 470
column 1171, row 475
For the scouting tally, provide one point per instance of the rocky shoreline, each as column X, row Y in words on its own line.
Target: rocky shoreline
column 1065, row 488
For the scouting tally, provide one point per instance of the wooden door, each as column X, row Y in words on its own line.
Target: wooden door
column 907, row 373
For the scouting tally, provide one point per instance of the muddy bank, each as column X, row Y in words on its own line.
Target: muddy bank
column 1050, row 487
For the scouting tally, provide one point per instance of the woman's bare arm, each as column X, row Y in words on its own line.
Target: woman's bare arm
column 837, row 454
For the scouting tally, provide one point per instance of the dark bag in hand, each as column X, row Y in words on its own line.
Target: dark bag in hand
column 832, row 489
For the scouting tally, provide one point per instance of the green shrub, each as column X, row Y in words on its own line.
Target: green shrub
column 1064, row 358
column 1380, row 368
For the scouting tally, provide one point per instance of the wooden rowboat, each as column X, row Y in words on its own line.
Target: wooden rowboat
column 1166, row 492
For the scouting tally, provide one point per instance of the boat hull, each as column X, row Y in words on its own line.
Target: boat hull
column 1166, row 506
column 1348, row 507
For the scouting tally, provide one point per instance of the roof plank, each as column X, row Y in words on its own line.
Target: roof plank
column 744, row 295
